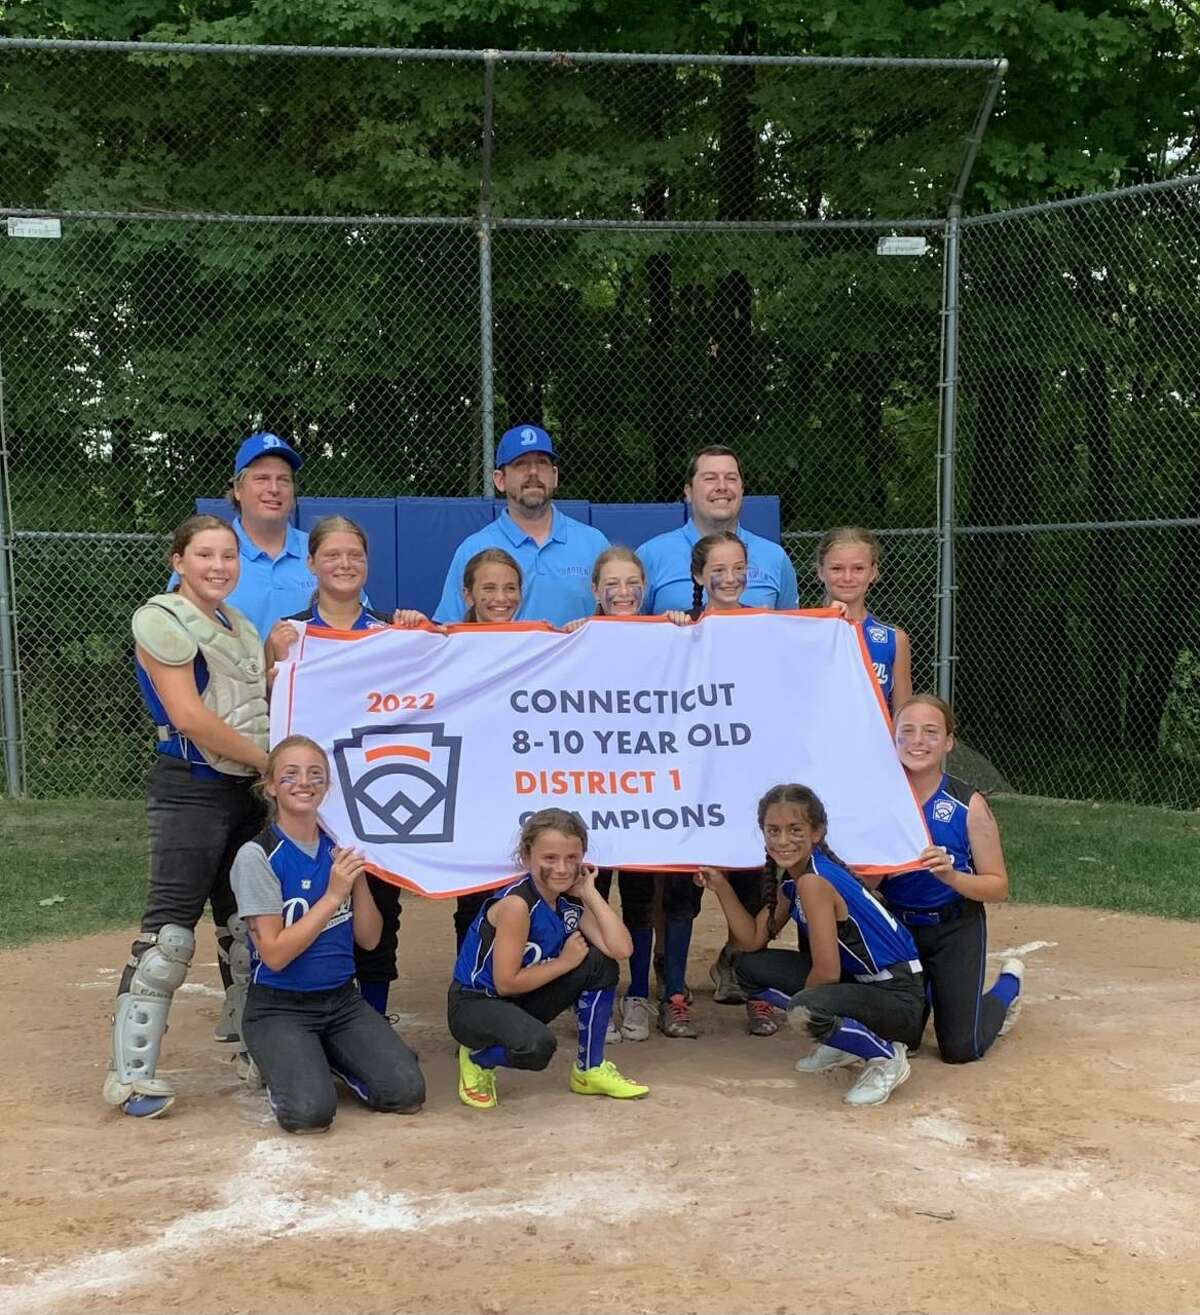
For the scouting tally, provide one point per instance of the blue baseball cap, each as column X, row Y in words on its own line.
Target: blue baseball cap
column 520, row 439
column 265, row 445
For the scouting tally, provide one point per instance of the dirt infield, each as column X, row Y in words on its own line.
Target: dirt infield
column 1061, row 1174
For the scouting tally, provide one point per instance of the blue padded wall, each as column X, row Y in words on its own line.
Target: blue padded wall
column 413, row 539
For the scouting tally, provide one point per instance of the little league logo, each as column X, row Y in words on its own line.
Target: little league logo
column 943, row 810
column 399, row 783
column 877, row 633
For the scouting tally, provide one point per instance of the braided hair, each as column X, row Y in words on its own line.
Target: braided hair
column 817, row 818
column 700, row 551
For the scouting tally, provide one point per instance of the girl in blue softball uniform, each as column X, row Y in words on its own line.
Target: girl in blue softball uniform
column 491, row 589
column 855, row 983
column 337, row 558
column 306, row 904
column 847, row 566
column 619, row 587
column 719, row 573
column 942, row 904
column 202, row 673
column 540, row 945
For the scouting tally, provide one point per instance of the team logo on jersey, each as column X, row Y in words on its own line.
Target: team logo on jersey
column 294, row 910
column 400, row 783
column 943, row 810
column 570, row 917
column 877, row 633
column 532, row 954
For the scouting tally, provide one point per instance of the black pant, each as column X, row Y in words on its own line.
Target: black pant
column 954, row 956
column 637, row 896
column 196, row 828
column 681, row 895
column 294, row 1037
column 379, row 964
column 465, row 909
column 893, row 1009
column 518, row 1022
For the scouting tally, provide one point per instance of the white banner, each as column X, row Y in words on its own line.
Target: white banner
column 661, row 737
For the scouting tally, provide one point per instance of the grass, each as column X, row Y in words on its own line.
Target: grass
column 92, row 854
column 1125, row 857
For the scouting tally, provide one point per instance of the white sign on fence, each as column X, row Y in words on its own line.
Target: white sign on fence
column 901, row 246
column 35, row 228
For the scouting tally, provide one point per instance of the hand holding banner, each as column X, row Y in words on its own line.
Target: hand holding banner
column 662, row 738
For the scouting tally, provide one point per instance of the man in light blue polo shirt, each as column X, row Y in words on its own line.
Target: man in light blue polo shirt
column 274, row 580
column 713, row 491
column 554, row 551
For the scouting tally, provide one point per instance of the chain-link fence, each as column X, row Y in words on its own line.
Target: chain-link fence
column 1078, row 492
column 388, row 257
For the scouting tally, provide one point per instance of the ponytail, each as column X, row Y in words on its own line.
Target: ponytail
column 697, row 596
column 770, row 894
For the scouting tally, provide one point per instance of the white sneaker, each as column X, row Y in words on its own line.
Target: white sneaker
column 825, row 1057
column 635, row 1018
column 880, row 1078
column 1016, row 967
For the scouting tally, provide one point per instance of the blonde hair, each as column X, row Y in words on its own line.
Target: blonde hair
column 328, row 525
column 932, row 701
column 616, row 553
column 848, row 536
column 233, row 488
column 268, row 772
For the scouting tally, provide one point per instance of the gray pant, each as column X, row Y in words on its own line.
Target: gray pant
column 893, row 1009
column 297, row 1037
column 518, row 1022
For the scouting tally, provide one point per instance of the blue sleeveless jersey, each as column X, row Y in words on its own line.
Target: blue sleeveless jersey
column 881, row 645
column 548, row 931
column 367, row 620
column 946, row 816
column 870, row 940
column 329, row 961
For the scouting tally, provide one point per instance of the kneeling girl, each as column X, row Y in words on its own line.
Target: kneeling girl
column 855, row 983
column 307, row 904
column 539, row 945
column 942, row 904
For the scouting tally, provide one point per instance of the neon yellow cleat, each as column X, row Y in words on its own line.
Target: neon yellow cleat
column 604, row 1080
column 476, row 1085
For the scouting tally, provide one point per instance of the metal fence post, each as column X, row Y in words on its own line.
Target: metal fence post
column 10, row 711
column 948, row 429
column 944, row 665
column 487, row 393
